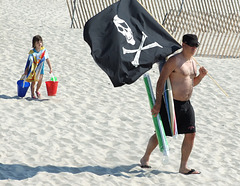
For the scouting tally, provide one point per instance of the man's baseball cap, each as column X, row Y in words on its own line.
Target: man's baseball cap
column 191, row 40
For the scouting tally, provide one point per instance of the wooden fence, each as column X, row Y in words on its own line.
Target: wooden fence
column 216, row 22
column 219, row 35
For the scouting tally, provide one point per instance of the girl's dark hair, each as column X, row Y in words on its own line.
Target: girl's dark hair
column 36, row 38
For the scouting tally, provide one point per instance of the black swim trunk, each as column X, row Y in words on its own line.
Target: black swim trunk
column 185, row 117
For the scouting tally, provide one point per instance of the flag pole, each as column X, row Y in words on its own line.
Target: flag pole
column 215, row 82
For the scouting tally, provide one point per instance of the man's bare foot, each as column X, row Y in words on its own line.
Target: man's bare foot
column 187, row 172
column 144, row 163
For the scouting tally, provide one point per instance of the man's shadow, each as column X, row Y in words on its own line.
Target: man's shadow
column 21, row 172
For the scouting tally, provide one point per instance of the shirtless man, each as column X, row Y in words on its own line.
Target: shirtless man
column 181, row 69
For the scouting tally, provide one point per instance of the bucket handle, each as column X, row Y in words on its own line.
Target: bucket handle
column 52, row 77
column 24, row 77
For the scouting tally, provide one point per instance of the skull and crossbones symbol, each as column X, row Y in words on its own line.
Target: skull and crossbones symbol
column 126, row 31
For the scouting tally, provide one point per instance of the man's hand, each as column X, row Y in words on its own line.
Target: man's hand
column 156, row 110
column 202, row 71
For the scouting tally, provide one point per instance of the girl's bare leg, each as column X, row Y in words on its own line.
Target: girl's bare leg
column 32, row 89
column 39, row 85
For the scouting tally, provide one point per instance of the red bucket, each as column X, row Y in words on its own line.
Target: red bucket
column 51, row 87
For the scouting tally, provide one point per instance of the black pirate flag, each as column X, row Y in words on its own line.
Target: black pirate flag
column 126, row 40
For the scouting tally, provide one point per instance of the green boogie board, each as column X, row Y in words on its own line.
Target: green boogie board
column 161, row 136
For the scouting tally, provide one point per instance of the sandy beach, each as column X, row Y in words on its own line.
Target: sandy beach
column 91, row 133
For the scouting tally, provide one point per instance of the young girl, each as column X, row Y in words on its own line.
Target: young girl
column 34, row 69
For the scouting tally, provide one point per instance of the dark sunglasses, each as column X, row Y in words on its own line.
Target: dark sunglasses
column 193, row 45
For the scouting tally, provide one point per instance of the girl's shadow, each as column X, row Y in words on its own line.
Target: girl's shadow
column 3, row 96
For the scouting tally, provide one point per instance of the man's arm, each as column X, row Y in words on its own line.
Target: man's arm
column 167, row 69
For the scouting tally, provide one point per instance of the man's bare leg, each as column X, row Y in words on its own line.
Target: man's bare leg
column 152, row 143
column 186, row 150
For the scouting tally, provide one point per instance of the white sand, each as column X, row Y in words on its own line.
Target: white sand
column 92, row 133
